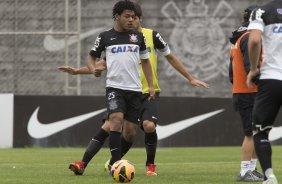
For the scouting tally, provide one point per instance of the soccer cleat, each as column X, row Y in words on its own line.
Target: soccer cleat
column 257, row 174
column 108, row 168
column 248, row 177
column 271, row 180
column 151, row 170
column 77, row 167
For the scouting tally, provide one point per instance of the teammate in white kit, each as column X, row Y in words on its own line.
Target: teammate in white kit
column 266, row 30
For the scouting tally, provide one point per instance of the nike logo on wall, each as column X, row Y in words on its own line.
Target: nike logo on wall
column 275, row 133
column 51, row 44
column 173, row 128
column 38, row 130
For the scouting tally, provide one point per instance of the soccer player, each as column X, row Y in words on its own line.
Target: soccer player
column 124, row 48
column 266, row 23
column 149, row 115
column 243, row 97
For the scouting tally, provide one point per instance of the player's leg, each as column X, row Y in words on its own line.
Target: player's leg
column 116, row 108
column 267, row 105
column 149, row 120
column 115, row 120
column 128, row 136
column 132, row 120
column 243, row 102
column 248, row 172
column 94, row 145
column 127, row 139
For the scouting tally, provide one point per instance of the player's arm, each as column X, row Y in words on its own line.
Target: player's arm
column 178, row 65
column 95, row 68
column 147, row 69
column 74, row 71
column 254, row 47
column 244, row 48
column 254, row 44
column 95, row 53
column 99, row 66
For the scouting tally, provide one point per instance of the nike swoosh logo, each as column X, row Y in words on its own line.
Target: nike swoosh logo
column 51, row 44
column 275, row 133
column 173, row 128
column 38, row 130
column 113, row 149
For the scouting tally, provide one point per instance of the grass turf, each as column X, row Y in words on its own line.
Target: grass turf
column 206, row 165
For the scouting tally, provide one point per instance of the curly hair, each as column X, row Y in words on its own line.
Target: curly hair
column 138, row 12
column 120, row 6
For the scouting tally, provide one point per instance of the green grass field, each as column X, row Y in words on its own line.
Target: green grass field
column 207, row 165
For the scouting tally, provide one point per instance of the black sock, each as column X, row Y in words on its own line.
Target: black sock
column 263, row 150
column 94, row 146
column 151, row 141
column 125, row 146
column 115, row 146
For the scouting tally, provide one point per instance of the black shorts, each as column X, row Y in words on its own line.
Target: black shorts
column 125, row 101
column 244, row 102
column 150, row 108
column 267, row 103
column 246, row 119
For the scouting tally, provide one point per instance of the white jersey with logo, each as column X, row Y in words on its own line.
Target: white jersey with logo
column 268, row 19
column 123, row 53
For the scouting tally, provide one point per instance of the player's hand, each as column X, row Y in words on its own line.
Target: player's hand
column 250, row 76
column 100, row 66
column 196, row 82
column 68, row 69
column 152, row 93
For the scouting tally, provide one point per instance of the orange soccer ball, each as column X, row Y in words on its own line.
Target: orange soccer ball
column 123, row 171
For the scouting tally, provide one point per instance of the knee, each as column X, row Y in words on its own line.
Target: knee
column 261, row 137
column 149, row 126
column 106, row 126
column 115, row 122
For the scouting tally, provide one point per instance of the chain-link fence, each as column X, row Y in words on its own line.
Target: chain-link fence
column 30, row 30
column 37, row 36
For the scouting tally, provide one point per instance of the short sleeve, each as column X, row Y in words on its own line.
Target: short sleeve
column 256, row 20
column 98, row 47
column 143, row 49
column 160, row 44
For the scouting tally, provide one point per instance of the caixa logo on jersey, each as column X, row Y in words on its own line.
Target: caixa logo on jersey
column 277, row 29
column 125, row 48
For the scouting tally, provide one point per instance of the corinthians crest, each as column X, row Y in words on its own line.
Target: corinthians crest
column 133, row 38
column 199, row 37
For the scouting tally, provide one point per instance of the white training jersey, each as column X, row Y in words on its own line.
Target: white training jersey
column 268, row 19
column 123, row 53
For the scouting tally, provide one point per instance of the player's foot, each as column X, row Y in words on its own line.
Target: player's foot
column 258, row 174
column 108, row 167
column 151, row 170
column 271, row 180
column 248, row 177
column 77, row 167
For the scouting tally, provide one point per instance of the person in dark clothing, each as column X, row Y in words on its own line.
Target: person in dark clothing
column 243, row 97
